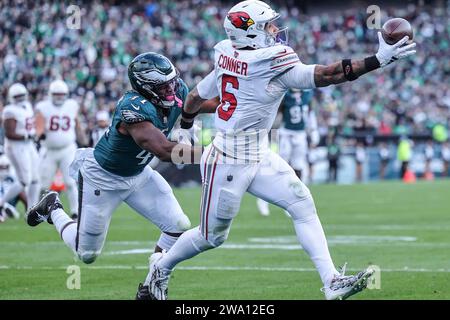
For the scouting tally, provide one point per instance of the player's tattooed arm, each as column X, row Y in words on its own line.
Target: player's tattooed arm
column 349, row 70
column 335, row 73
column 10, row 130
column 151, row 139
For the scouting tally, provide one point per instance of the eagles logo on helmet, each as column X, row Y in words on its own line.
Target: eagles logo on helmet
column 240, row 20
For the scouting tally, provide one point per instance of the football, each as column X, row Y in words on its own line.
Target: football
column 395, row 29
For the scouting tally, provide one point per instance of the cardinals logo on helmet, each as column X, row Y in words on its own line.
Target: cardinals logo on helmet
column 240, row 20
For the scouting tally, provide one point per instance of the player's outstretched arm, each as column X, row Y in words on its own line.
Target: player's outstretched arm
column 349, row 70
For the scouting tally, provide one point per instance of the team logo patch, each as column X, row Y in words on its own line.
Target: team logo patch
column 130, row 116
column 240, row 20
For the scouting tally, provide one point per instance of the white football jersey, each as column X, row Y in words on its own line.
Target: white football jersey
column 251, row 85
column 24, row 115
column 59, row 122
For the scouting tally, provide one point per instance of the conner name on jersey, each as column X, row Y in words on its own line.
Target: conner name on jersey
column 233, row 65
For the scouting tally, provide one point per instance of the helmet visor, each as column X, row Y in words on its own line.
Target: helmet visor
column 278, row 34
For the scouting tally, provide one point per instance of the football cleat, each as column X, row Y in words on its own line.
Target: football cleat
column 41, row 211
column 342, row 287
column 159, row 279
column 10, row 211
column 143, row 293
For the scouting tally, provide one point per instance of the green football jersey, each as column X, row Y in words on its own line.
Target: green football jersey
column 118, row 153
column 295, row 109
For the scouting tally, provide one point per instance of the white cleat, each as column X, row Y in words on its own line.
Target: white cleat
column 159, row 279
column 263, row 207
column 151, row 262
column 11, row 211
column 342, row 287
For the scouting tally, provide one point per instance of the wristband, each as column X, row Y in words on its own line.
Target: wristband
column 371, row 63
column 185, row 124
column 348, row 70
column 186, row 115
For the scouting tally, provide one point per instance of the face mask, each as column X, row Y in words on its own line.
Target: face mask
column 167, row 92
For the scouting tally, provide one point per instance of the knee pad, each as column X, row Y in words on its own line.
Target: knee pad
column 303, row 210
column 183, row 223
column 228, row 205
column 87, row 257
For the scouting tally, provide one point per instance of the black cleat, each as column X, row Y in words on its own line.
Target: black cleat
column 143, row 293
column 41, row 210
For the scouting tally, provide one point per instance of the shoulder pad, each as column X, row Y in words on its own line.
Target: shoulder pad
column 134, row 108
column 130, row 116
column 283, row 58
column 41, row 105
column 223, row 45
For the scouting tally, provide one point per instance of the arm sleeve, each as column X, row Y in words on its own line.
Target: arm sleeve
column 207, row 88
column 301, row 76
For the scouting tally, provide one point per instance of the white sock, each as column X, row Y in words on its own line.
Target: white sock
column 312, row 238
column 66, row 227
column 15, row 189
column 72, row 195
column 33, row 192
column 166, row 241
column 188, row 245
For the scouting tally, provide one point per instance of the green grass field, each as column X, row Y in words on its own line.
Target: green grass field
column 404, row 229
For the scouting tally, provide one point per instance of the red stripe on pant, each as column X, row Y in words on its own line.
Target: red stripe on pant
column 203, row 200
column 209, row 197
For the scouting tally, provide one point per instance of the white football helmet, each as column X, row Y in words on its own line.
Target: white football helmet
column 246, row 25
column 58, row 91
column 17, row 93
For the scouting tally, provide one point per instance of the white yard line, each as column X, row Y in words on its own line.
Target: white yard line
column 221, row 268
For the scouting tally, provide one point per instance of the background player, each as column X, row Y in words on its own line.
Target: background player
column 252, row 72
column 299, row 123
column 19, row 126
column 57, row 124
column 102, row 122
column 8, row 179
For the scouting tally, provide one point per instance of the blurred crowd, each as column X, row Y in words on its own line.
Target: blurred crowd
column 36, row 46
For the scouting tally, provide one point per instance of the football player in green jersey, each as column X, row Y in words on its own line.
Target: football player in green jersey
column 117, row 170
column 299, row 123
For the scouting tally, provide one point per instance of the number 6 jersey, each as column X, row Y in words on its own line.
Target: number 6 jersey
column 59, row 122
column 251, row 85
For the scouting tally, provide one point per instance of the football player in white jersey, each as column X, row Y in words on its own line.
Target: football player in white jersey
column 102, row 121
column 57, row 124
column 19, row 125
column 7, row 179
column 253, row 69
